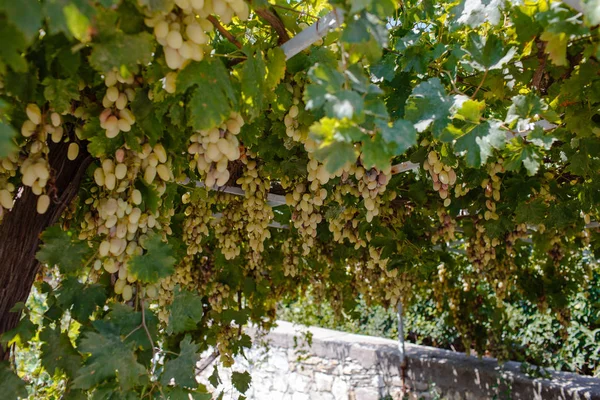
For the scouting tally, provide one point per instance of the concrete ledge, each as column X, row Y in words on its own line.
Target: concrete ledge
column 456, row 375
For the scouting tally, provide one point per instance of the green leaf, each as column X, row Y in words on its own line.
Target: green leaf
column 58, row 353
column 487, row 52
column 538, row 137
column 63, row 249
column 183, row 368
column 524, row 107
column 21, row 334
column 26, row 15
column 344, row 104
column 429, row 106
column 157, row 6
column 11, row 385
column 556, row 46
column 252, row 75
column 591, row 12
column 7, row 134
column 476, row 12
column 156, row 263
column 276, row 66
column 533, row 212
column 146, row 117
column 399, row 137
column 375, row 153
column 186, row 311
column 336, row 155
column 77, row 22
column 11, row 50
column 60, row 93
column 178, row 393
column 212, row 100
column 123, row 52
column 522, row 154
column 241, row 380
column 81, row 299
column 127, row 320
column 480, row 141
column 150, row 197
column 109, row 358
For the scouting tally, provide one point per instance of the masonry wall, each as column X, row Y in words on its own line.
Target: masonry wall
column 340, row 366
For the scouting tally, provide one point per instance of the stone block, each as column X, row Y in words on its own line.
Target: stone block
column 298, row 382
column 366, row 394
column 323, row 382
column 298, row 396
column 339, row 389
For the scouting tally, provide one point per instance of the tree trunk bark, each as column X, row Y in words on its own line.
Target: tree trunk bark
column 21, row 228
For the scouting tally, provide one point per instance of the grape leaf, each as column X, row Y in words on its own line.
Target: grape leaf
column 182, row 369
column 10, row 383
column 532, row 212
column 146, row 117
column 10, row 51
column 123, row 52
column 21, row 334
column 476, row 12
column 109, row 358
column 156, row 263
column 60, row 93
column 80, row 298
column 177, row 393
column 520, row 153
column 127, row 320
column 556, row 46
column 252, row 75
column 155, row 6
column 241, row 380
column 186, row 311
column 27, row 16
column 7, row 145
column 429, row 105
column 487, row 52
column 399, row 137
column 212, row 99
column 375, row 154
column 58, row 352
column 336, row 155
column 591, row 12
column 344, row 104
column 70, row 18
column 479, row 142
column 276, row 66
column 63, row 249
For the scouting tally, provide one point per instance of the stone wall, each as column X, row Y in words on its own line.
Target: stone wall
column 335, row 365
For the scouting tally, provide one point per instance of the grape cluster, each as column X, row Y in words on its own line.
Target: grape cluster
column 446, row 229
column 8, row 170
column 305, row 214
column 212, row 150
column 481, row 249
column 183, row 33
column 291, row 258
column 229, row 229
column 491, row 186
column 116, row 117
column 259, row 213
column 115, row 213
column 198, row 215
column 443, row 176
column 371, row 185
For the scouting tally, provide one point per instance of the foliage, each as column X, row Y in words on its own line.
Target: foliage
column 494, row 103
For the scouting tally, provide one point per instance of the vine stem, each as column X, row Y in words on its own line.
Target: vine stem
column 294, row 10
column 480, row 84
column 224, row 31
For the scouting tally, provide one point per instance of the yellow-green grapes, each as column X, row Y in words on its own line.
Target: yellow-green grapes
column 212, row 150
column 183, row 32
column 259, row 213
column 116, row 116
column 443, row 176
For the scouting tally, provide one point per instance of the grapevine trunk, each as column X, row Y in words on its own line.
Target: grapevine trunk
column 20, row 232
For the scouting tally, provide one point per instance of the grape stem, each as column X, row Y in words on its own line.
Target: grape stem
column 224, row 31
